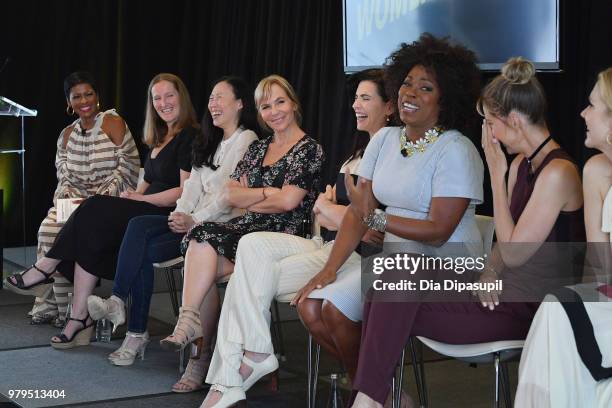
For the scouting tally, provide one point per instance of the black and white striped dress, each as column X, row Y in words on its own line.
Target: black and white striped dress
column 87, row 163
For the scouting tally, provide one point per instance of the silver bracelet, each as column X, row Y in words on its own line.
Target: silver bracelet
column 376, row 220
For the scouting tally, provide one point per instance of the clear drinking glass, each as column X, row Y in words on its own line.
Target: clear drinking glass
column 104, row 330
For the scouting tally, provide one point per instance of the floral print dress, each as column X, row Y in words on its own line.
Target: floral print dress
column 300, row 167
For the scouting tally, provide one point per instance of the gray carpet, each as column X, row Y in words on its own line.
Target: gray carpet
column 18, row 332
column 14, row 319
column 10, row 298
column 84, row 374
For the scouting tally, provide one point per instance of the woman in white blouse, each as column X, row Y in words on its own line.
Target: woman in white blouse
column 567, row 361
column 224, row 138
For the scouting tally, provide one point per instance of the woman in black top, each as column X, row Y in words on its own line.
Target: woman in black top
column 86, row 248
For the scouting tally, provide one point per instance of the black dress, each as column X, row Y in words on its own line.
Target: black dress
column 300, row 166
column 94, row 232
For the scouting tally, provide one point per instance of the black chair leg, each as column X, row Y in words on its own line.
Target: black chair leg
column 172, row 290
column 505, row 382
column 278, row 331
column 419, row 371
column 397, row 398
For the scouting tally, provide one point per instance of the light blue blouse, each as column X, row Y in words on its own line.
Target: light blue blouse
column 449, row 167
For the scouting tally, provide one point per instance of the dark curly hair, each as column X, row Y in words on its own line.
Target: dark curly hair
column 455, row 71
column 206, row 143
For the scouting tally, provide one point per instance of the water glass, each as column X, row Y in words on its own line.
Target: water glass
column 104, row 330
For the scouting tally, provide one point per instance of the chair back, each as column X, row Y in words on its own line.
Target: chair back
column 486, row 226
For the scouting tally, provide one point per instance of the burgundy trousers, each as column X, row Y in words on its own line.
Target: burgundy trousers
column 387, row 327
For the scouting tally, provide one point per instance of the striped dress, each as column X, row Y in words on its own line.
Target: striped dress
column 87, row 163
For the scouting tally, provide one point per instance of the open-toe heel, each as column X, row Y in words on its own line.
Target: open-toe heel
column 195, row 373
column 188, row 329
column 81, row 337
column 35, row 289
column 125, row 355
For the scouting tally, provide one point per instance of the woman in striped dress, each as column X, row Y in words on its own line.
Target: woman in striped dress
column 96, row 154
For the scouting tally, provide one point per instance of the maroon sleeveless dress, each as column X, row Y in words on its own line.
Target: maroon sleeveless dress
column 553, row 265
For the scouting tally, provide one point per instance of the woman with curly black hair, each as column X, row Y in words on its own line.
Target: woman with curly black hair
column 428, row 175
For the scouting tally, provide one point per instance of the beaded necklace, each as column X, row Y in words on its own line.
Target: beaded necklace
column 408, row 147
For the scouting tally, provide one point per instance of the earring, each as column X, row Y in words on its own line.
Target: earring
column 608, row 139
column 98, row 104
column 387, row 118
column 68, row 110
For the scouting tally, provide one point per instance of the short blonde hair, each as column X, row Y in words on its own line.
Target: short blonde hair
column 264, row 90
column 154, row 127
column 604, row 79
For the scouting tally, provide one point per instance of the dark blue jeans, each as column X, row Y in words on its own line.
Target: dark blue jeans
column 147, row 240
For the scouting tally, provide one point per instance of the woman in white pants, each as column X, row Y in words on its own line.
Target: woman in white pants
column 559, row 365
column 271, row 264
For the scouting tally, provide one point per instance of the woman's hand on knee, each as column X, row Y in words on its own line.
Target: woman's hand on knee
column 319, row 281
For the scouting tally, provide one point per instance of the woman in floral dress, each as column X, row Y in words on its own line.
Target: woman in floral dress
column 276, row 182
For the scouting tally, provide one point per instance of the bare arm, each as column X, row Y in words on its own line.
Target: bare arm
column 597, row 177
column 125, row 174
column 329, row 214
column 557, row 188
column 445, row 213
column 288, row 198
column 240, row 196
column 166, row 198
column 349, row 235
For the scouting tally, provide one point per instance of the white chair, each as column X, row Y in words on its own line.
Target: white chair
column 496, row 352
column 486, row 226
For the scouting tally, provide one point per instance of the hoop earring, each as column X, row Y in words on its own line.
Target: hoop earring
column 68, row 110
column 608, row 139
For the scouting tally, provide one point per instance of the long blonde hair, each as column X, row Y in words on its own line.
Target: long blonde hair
column 155, row 129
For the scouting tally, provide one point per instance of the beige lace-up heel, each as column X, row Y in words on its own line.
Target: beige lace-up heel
column 187, row 330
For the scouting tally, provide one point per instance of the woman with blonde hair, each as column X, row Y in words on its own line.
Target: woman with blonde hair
column 567, row 359
column 227, row 131
column 87, row 246
column 276, row 182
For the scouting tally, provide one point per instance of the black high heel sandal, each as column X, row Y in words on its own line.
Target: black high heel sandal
column 35, row 289
column 81, row 337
